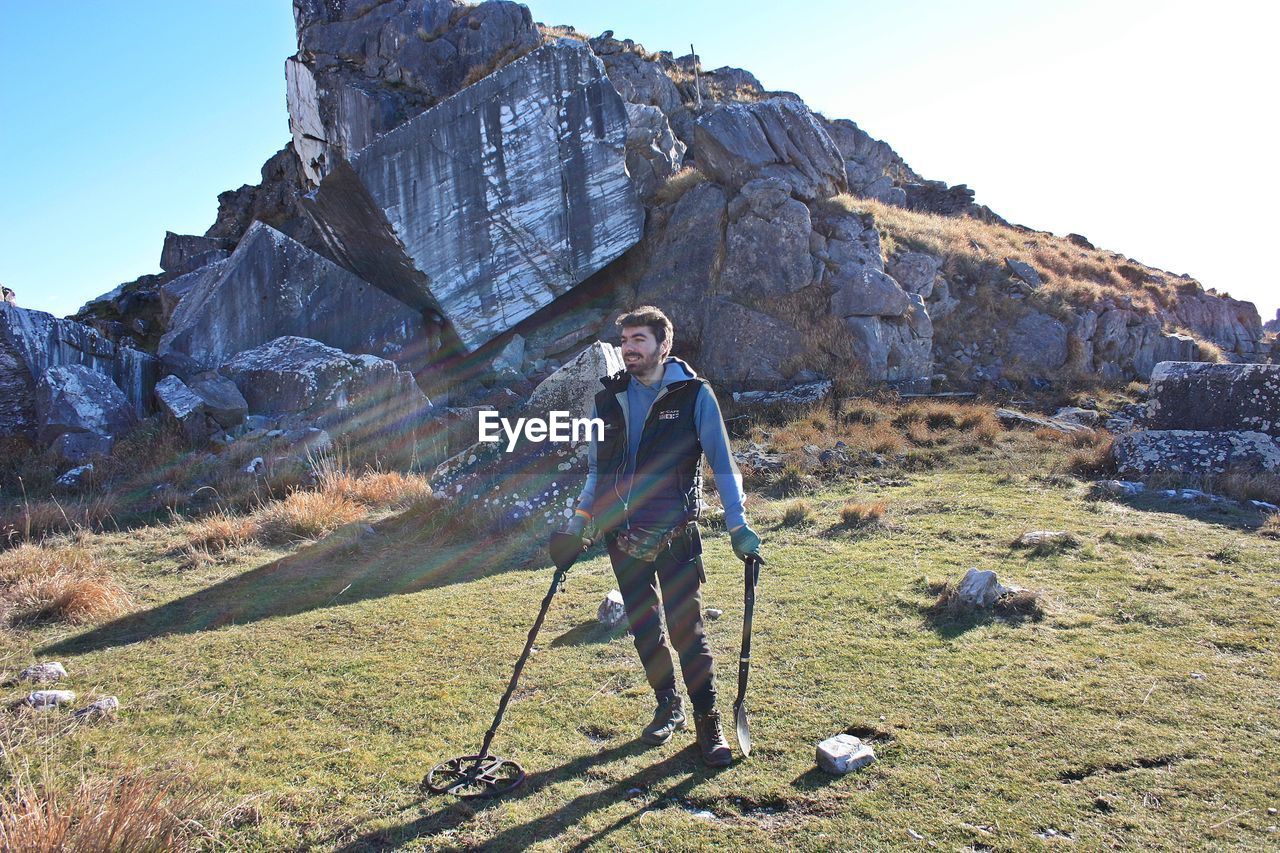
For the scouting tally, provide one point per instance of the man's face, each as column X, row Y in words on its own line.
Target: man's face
column 640, row 350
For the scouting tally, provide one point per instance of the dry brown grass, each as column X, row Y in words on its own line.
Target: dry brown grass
column 677, row 185
column 862, row 513
column 61, row 581
column 374, row 488
column 1021, row 606
column 1271, row 527
column 133, row 813
column 797, row 513
column 305, row 515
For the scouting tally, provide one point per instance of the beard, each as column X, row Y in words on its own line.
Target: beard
column 641, row 365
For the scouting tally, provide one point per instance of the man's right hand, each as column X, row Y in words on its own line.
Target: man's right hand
column 568, row 544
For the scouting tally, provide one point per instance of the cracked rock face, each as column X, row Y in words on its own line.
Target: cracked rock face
column 1183, row 451
column 493, row 203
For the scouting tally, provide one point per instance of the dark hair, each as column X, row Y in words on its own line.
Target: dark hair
column 648, row 315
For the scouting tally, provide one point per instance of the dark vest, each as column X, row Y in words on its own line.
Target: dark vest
column 666, row 488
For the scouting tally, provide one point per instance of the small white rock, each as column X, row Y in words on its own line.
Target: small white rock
column 50, row 698
column 43, row 673
column 844, row 753
column 255, row 466
column 915, row 835
column 714, row 613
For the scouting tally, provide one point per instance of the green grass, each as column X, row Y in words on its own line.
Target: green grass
column 307, row 688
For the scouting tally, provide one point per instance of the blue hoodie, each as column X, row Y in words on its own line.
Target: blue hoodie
column 711, row 434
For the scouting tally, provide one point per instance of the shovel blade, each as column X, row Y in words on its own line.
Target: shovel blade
column 744, row 730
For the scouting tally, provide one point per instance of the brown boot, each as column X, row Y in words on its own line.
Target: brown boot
column 711, row 740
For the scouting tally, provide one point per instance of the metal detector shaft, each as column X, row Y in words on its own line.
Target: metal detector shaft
column 556, row 580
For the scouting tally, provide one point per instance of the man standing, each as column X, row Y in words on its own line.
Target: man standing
column 644, row 494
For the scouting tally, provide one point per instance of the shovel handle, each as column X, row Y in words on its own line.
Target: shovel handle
column 751, row 575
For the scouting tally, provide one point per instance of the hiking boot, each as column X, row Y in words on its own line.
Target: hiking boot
column 711, row 740
column 667, row 720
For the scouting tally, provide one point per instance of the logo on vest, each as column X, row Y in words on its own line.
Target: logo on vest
column 668, row 415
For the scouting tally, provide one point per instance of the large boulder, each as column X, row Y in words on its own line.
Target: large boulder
column 493, row 203
column 767, row 243
column 572, row 388
column 274, row 286
column 74, row 398
column 1200, row 396
column 1037, row 343
column 775, row 138
column 183, row 253
column 363, row 68
column 328, row 388
column 745, row 348
column 1145, row 453
column 31, row 342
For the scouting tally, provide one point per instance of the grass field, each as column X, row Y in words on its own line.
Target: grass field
column 280, row 693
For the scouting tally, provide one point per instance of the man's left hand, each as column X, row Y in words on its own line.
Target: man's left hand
column 746, row 542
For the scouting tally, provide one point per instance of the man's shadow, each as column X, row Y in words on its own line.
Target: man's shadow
column 684, row 763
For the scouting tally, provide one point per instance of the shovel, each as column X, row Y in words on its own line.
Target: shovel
column 751, row 577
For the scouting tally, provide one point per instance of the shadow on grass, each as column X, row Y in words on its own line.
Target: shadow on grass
column 455, row 814
column 950, row 618
column 323, row 574
column 589, row 632
column 1228, row 513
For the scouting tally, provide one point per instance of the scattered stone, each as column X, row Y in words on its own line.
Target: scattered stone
column 714, row 613
column 844, row 753
column 1041, row 539
column 104, row 707
column 1012, row 417
column 979, row 589
column 915, row 836
column 809, row 392
column 45, row 699
column 1085, row 417
column 1024, row 272
column 1198, row 676
column 612, row 612
column 255, row 466
column 1116, row 489
column 75, row 398
column 43, row 673
column 79, row 447
column 71, row 479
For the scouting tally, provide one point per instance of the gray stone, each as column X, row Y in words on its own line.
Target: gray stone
column 1195, row 452
column 1037, row 343
column 510, row 360
column 915, row 272
column 71, row 479
column 729, row 330
column 336, row 391
column 713, row 613
column 1045, row 538
column 654, row 153
column 799, row 395
column 1117, row 488
column 75, row 398
column 45, row 699
column 767, row 243
column 521, row 175
column 105, row 707
column 274, row 286
column 869, row 293
column 776, row 138
column 979, row 589
column 43, row 673
column 183, row 253
column 31, row 342
column 1012, row 417
column 612, row 612
column 1201, row 396
column 178, row 402
column 222, row 400
column 79, row 447
column 1084, row 417
column 573, row 387
column 1023, row 271
column 844, row 753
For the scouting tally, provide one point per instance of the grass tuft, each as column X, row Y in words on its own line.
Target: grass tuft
column 58, row 582
column 859, row 514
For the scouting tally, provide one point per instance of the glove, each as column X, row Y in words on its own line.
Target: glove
column 746, row 542
column 567, row 545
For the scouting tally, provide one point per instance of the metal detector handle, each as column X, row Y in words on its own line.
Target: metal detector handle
column 751, row 576
column 556, row 581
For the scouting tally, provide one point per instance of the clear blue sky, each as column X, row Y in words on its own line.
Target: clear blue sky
column 1141, row 125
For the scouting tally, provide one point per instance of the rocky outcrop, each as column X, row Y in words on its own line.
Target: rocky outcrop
column 521, row 176
column 274, row 286
column 33, row 342
column 654, row 153
column 1198, row 396
column 778, row 138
